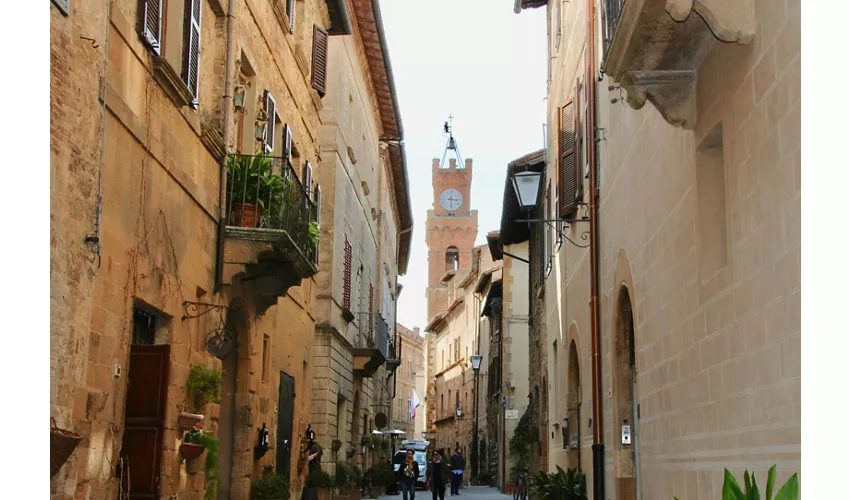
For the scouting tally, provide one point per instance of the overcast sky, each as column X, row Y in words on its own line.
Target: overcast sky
column 484, row 65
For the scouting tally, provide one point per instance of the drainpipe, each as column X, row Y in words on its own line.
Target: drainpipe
column 228, row 106
column 596, row 331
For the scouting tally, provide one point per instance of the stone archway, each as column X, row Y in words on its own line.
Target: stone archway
column 573, row 408
column 626, row 449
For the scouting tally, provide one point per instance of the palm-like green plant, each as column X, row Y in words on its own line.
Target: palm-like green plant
column 732, row 490
column 560, row 485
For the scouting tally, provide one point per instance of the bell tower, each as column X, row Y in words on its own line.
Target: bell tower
column 451, row 227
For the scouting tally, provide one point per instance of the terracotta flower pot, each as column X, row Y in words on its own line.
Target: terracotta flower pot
column 336, row 445
column 191, row 450
column 245, row 214
column 375, row 491
column 323, row 493
column 189, row 420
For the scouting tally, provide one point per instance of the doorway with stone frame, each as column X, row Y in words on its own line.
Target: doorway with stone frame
column 626, row 407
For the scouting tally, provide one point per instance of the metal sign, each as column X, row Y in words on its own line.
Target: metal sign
column 511, row 414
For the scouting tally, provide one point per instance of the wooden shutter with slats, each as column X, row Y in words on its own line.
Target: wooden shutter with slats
column 320, row 60
column 567, row 160
column 150, row 23
column 269, row 106
column 581, row 117
column 307, row 178
column 346, row 277
column 287, row 143
column 371, row 308
column 192, row 63
column 290, row 12
column 317, row 216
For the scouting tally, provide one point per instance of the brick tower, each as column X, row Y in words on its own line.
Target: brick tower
column 450, row 230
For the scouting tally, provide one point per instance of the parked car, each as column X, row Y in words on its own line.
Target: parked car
column 421, row 459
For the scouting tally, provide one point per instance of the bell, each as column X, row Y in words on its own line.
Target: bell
column 452, row 146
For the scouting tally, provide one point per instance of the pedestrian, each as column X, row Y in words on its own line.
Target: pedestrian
column 458, row 463
column 437, row 476
column 407, row 474
column 314, row 458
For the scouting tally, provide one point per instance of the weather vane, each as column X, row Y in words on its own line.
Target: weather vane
column 451, row 145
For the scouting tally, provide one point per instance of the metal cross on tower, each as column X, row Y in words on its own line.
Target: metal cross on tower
column 451, row 145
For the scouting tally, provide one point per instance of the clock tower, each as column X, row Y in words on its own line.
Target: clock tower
column 450, row 230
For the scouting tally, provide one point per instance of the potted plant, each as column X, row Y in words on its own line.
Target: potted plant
column 378, row 477
column 253, row 189
column 194, row 443
column 560, row 485
column 322, row 482
column 732, row 490
column 270, row 487
column 204, row 386
column 347, row 481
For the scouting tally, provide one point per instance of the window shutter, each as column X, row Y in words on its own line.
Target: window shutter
column 287, row 143
column 320, row 59
column 63, row 5
column 307, row 178
column 150, row 23
column 567, row 160
column 346, row 278
column 269, row 107
column 290, row 12
column 191, row 65
column 580, row 113
column 371, row 308
column 317, row 206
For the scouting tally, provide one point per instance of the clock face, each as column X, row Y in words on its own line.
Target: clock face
column 451, row 199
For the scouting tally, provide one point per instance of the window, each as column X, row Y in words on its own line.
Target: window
column 452, row 259
column 265, row 361
column 144, row 327
column 319, row 73
column 346, row 277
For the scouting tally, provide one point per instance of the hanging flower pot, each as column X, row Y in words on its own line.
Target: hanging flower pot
column 191, row 450
column 189, row 420
column 336, row 445
column 62, row 444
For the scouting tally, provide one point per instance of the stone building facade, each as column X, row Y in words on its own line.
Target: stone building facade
column 152, row 269
column 456, row 333
column 366, row 239
column 411, row 348
column 697, row 140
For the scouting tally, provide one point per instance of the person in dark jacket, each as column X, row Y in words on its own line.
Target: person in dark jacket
column 458, row 464
column 437, row 476
column 407, row 474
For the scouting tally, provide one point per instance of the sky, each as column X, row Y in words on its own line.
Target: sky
column 486, row 66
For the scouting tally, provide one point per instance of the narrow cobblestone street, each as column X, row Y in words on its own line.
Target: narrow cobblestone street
column 468, row 493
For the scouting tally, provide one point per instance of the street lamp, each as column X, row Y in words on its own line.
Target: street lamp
column 527, row 189
column 476, row 365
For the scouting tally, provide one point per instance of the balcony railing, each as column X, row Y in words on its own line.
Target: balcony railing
column 374, row 333
column 264, row 194
column 611, row 13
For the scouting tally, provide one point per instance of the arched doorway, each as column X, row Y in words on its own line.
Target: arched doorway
column 626, row 410
column 573, row 431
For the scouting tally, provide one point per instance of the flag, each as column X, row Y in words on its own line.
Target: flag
column 414, row 404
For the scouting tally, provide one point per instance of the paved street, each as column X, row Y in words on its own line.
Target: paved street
column 469, row 493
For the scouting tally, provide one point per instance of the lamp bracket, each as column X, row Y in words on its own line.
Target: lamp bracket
column 198, row 309
column 562, row 226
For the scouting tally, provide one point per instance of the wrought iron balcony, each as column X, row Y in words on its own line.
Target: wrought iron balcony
column 272, row 226
column 653, row 48
column 373, row 345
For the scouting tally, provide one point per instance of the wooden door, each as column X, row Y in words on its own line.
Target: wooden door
column 285, row 414
column 147, row 390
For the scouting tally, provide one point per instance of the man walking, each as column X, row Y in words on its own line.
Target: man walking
column 458, row 463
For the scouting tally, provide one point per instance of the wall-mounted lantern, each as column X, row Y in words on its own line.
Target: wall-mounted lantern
column 262, row 442
column 239, row 97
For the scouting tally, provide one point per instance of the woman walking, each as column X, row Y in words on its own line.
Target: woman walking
column 437, row 476
column 408, row 473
